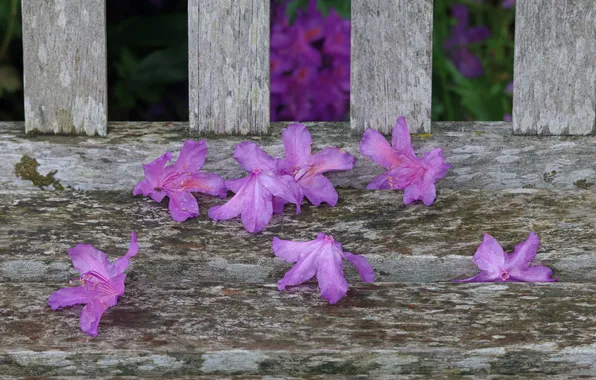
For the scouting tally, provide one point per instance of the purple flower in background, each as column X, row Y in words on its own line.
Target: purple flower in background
column 310, row 63
column 100, row 285
column 507, row 117
column 508, row 4
column 307, row 169
column 509, row 88
column 254, row 198
column 180, row 180
column 322, row 257
column 461, row 36
column 416, row 176
column 500, row 266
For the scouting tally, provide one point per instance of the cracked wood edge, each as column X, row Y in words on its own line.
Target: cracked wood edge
column 484, row 155
column 411, row 244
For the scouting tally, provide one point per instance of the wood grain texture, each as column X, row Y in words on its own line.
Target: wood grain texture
column 64, row 48
column 229, row 66
column 555, row 67
column 176, row 329
column 409, row 244
column 484, row 155
column 391, row 64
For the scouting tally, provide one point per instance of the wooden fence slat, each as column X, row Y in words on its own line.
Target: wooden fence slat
column 229, row 66
column 391, row 64
column 555, row 67
column 64, row 48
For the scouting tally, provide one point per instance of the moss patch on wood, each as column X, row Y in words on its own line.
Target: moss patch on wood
column 27, row 170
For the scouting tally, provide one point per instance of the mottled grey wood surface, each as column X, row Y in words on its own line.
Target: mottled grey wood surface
column 410, row 244
column 484, row 155
column 555, row 67
column 64, row 48
column 173, row 329
column 228, row 45
column 391, row 64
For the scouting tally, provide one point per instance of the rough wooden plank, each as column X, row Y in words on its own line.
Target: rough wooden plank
column 410, row 244
column 177, row 330
column 391, row 64
column 484, row 155
column 64, row 48
column 555, row 67
column 229, row 66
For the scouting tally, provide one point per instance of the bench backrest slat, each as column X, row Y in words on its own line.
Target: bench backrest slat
column 64, row 48
column 555, row 67
column 391, row 64
column 229, row 66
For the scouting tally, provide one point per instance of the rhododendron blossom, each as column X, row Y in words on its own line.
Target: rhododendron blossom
column 308, row 169
column 323, row 258
column 180, row 180
column 254, row 198
column 100, row 285
column 416, row 176
column 500, row 266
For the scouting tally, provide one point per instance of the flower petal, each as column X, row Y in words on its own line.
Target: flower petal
column 71, row 296
column 282, row 186
column 367, row 273
column 330, row 159
column 303, row 270
column 235, row 206
column 86, row 258
column 92, row 313
column 523, row 254
column 121, row 263
column 423, row 190
column 297, row 141
column 250, row 156
column 192, row 156
column 290, row 250
column 380, row 182
column 144, row 187
column 483, row 277
column 258, row 208
column 376, row 147
column 400, row 137
column 489, row 256
column 435, row 164
column 234, row 185
column 206, row 183
column 538, row 273
column 183, row 205
column 330, row 274
column 318, row 189
column 278, row 205
column 154, row 170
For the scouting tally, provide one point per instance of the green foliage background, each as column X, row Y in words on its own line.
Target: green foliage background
column 148, row 60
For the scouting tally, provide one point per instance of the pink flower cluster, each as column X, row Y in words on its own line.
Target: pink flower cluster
column 310, row 66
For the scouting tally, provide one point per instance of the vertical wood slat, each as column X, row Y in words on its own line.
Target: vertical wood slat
column 229, row 66
column 391, row 67
column 555, row 67
column 64, row 49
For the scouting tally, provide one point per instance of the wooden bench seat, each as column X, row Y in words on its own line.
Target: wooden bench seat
column 201, row 297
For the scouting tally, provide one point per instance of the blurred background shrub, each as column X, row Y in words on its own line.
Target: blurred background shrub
column 148, row 60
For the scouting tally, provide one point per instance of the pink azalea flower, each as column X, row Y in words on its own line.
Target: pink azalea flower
column 254, row 194
column 180, row 180
column 322, row 257
column 100, row 285
column 307, row 169
column 416, row 176
column 500, row 266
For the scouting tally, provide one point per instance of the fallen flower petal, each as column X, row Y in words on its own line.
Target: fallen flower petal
column 307, row 169
column 256, row 194
column 100, row 284
column 500, row 266
column 180, row 180
column 416, row 176
column 323, row 258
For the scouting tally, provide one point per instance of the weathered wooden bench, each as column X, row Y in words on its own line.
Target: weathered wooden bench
column 201, row 296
